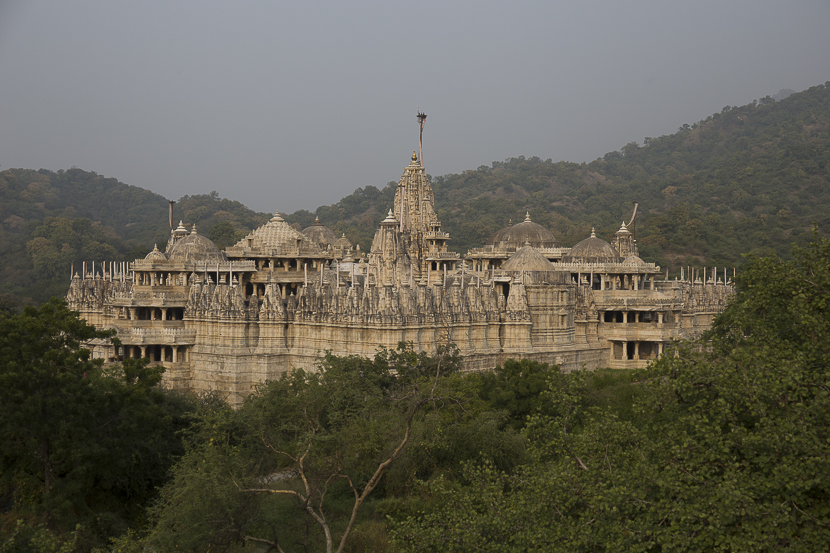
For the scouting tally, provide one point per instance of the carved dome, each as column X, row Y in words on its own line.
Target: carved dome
column 319, row 234
column 592, row 250
column 526, row 231
column 155, row 255
column 528, row 259
column 274, row 234
column 343, row 243
column 634, row 260
column 195, row 247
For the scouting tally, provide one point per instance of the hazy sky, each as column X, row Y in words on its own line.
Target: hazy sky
column 291, row 105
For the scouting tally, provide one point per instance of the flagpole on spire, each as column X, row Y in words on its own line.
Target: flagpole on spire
column 422, row 117
column 171, row 202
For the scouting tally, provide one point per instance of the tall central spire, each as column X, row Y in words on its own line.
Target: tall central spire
column 414, row 201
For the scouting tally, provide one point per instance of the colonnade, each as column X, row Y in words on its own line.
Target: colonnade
column 158, row 353
column 633, row 317
column 631, row 349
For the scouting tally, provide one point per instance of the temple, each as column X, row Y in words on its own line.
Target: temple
column 280, row 297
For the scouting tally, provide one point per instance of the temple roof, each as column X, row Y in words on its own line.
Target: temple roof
column 634, row 260
column 343, row 242
column 592, row 250
column 526, row 231
column 275, row 233
column 195, row 247
column 528, row 259
column 155, row 255
column 320, row 234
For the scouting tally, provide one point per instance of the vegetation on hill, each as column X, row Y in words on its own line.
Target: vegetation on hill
column 50, row 220
column 749, row 179
column 720, row 445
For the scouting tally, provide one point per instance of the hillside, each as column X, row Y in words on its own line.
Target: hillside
column 748, row 179
column 53, row 219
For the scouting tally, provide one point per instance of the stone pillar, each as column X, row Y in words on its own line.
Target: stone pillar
column 659, row 348
column 163, row 313
column 133, row 314
column 636, row 279
column 636, row 351
column 175, row 354
column 143, row 351
column 659, row 317
column 625, row 350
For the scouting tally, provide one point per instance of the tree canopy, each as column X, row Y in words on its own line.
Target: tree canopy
column 83, row 446
column 727, row 448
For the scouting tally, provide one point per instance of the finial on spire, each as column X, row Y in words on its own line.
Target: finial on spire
column 527, row 217
column 414, row 156
column 193, row 231
column 390, row 218
column 593, row 234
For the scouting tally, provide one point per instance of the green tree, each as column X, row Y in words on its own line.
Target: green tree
column 82, row 445
column 224, row 234
column 516, row 387
column 305, row 451
column 728, row 448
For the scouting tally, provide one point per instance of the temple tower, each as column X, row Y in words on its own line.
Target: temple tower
column 415, row 211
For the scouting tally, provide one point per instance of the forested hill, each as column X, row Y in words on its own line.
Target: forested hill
column 748, row 179
column 49, row 220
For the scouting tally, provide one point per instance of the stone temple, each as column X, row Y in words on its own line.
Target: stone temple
column 279, row 298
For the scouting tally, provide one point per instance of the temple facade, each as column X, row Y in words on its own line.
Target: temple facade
column 280, row 297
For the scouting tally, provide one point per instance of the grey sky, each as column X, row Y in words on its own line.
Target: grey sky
column 290, row 105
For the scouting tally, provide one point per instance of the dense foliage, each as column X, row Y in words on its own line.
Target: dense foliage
column 726, row 448
column 83, row 447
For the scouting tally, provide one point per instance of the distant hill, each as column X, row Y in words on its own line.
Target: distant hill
column 749, row 179
column 49, row 220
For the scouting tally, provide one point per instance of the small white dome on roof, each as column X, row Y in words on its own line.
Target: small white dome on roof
column 195, row 247
column 526, row 231
column 633, row 260
column 155, row 255
column 276, row 233
column 592, row 250
column 320, row 234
